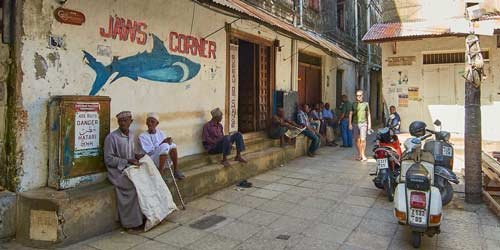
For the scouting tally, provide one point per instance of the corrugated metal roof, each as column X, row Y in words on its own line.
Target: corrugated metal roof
column 265, row 17
column 384, row 32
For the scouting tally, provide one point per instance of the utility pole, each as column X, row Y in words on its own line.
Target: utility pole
column 474, row 74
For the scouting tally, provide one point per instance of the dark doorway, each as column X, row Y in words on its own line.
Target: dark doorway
column 309, row 79
column 254, row 86
column 338, row 88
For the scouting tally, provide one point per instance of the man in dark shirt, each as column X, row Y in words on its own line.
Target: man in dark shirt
column 394, row 120
column 280, row 125
column 215, row 142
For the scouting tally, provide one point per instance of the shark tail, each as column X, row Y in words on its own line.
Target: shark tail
column 102, row 73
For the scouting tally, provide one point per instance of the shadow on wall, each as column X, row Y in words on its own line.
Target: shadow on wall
column 453, row 119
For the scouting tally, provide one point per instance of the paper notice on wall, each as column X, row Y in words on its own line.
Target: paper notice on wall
column 403, row 100
column 413, row 94
column 233, row 88
column 86, row 129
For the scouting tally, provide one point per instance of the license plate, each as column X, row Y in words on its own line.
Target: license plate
column 382, row 163
column 418, row 216
column 447, row 151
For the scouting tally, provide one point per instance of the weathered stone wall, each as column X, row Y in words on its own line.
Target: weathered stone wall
column 5, row 63
column 183, row 97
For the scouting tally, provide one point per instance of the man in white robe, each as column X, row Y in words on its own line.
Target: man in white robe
column 158, row 146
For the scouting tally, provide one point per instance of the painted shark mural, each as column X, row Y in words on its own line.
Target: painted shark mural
column 157, row 65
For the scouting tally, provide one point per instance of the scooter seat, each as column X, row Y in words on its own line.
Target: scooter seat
column 417, row 178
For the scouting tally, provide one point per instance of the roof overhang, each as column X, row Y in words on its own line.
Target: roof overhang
column 251, row 12
column 410, row 31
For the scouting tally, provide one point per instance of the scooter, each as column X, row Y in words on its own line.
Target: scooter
column 387, row 153
column 442, row 150
column 417, row 202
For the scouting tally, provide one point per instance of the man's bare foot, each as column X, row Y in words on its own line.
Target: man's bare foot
column 240, row 159
column 225, row 163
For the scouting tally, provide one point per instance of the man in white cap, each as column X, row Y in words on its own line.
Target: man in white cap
column 215, row 142
column 158, row 146
column 119, row 153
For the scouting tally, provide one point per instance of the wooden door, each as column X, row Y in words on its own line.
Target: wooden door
column 263, row 88
column 246, row 87
column 313, row 87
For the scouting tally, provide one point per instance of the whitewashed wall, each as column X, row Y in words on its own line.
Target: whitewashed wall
column 441, row 86
column 183, row 107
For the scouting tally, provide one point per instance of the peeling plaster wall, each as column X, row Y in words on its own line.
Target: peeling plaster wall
column 183, row 107
column 5, row 62
column 441, row 86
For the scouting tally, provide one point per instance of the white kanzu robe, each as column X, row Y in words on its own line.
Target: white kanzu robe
column 150, row 144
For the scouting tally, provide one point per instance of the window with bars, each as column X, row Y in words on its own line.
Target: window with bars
column 341, row 15
column 314, row 5
column 447, row 58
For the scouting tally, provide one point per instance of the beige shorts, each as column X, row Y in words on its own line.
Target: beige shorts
column 359, row 131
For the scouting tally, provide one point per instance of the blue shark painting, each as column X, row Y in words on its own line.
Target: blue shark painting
column 157, row 65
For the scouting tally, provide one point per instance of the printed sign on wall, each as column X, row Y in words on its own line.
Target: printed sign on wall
column 86, row 129
column 233, row 88
column 403, row 100
column 413, row 93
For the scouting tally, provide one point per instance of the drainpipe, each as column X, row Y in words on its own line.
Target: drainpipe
column 355, row 24
column 368, row 63
column 301, row 13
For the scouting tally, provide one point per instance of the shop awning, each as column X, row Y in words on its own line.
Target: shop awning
column 386, row 32
column 264, row 17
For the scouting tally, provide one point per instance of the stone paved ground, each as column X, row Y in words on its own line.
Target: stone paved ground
column 327, row 202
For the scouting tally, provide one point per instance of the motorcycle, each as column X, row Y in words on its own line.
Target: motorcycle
column 442, row 151
column 417, row 202
column 387, row 153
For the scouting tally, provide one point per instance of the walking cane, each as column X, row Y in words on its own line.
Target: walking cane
column 175, row 184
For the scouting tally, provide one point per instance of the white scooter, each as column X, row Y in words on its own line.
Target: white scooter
column 417, row 203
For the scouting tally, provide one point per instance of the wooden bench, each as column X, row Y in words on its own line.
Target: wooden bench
column 491, row 183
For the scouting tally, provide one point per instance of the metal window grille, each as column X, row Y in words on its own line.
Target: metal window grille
column 448, row 58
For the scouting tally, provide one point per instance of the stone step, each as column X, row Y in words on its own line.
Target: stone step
column 252, row 144
column 212, row 177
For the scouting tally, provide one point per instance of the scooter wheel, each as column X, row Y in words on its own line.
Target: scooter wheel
column 416, row 239
column 389, row 190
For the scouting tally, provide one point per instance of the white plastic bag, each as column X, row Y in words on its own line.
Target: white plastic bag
column 155, row 199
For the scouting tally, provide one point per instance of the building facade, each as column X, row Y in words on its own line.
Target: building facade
column 423, row 63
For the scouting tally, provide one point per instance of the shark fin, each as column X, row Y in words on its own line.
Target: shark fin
column 102, row 73
column 158, row 46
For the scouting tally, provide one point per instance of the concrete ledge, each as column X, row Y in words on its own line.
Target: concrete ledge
column 7, row 215
column 48, row 218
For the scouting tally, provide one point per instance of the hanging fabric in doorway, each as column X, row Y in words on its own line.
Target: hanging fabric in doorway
column 233, row 87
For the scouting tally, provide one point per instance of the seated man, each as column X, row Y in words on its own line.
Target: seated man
column 309, row 132
column 215, row 142
column 328, row 125
column 314, row 117
column 118, row 155
column 394, row 120
column 280, row 125
column 158, row 146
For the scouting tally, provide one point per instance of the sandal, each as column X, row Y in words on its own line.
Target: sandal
column 244, row 184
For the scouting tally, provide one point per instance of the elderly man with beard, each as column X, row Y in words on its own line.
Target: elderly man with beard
column 158, row 146
column 119, row 153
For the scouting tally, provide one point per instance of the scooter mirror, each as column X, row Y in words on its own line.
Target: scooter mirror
column 437, row 122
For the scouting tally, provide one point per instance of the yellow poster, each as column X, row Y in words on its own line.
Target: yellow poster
column 413, row 94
